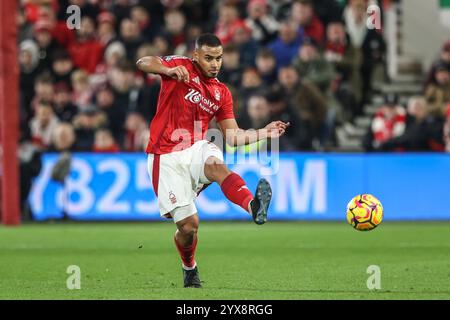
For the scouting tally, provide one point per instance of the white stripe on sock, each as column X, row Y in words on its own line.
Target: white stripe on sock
column 189, row 268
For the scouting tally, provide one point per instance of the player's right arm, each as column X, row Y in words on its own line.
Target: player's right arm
column 152, row 64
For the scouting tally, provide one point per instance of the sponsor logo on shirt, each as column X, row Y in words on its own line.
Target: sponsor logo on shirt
column 196, row 97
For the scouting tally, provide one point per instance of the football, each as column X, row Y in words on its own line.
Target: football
column 364, row 212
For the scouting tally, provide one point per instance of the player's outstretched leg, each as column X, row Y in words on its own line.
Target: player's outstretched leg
column 186, row 242
column 235, row 189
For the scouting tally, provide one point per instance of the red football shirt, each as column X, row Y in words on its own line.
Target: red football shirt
column 184, row 110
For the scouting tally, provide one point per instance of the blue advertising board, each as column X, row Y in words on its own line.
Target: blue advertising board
column 306, row 186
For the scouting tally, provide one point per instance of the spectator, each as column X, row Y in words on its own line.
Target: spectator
column 389, row 121
column 43, row 125
column 86, row 123
column 286, row 45
column 130, row 36
column 281, row 109
column 115, row 53
column 104, row 141
column 86, row 51
column 328, row 10
column 29, row 61
column 44, row 91
column 231, row 71
column 141, row 16
column 106, row 28
column 175, row 26
column 228, row 22
column 355, row 20
column 63, row 138
column 444, row 59
column 129, row 95
column 64, row 109
column 82, row 91
column 313, row 67
column 247, row 47
column 311, row 108
column 121, row 10
column 263, row 25
column 304, row 17
column 258, row 113
column 88, row 8
column 438, row 92
column 369, row 43
column 251, row 85
column 24, row 27
column 289, row 80
column 123, row 84
column 145, row 50
column 105, row 102
column 162, row 45
column 347, row 64
column 42, row 32
column 62, row 67
column 420, row 133
column 135, row 127
column 187, row 48
column 266, row 66
column 340, row 52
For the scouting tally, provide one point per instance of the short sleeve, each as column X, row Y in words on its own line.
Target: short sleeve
column 174, row 61
column 226, row 109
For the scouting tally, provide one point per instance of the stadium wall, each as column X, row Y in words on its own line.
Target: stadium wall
column 305, row 187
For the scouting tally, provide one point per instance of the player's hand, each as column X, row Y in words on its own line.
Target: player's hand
column 276, row 129
column 179, row 73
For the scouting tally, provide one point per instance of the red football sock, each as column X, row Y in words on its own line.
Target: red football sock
column 234, row 188
column 187, row 253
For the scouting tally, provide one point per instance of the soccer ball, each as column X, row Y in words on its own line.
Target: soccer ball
column 364, row 212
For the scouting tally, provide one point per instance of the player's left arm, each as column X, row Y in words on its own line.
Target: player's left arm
column 236, row 136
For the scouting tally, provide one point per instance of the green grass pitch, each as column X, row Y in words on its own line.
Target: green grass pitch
column 237, row 260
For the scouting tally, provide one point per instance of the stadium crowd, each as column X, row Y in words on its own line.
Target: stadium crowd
column 306, row 62
column 424, row 124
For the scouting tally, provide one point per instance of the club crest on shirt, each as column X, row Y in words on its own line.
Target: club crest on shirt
column 172, row 197
column 217, row 94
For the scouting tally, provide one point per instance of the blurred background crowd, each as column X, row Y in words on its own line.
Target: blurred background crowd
column 311, row 63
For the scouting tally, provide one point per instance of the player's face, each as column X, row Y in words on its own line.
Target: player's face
column 209, row 59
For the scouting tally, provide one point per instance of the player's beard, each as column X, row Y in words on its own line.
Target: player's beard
column 213, row 74
column 207, row 74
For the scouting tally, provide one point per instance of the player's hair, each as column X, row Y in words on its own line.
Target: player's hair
column 207, row 39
